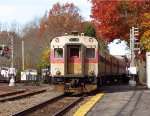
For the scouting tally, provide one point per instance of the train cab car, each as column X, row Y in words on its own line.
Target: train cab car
column 78, row 64
column 74, row 62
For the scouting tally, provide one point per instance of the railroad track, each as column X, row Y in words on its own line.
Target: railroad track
column 53, row 107
column 18, row 95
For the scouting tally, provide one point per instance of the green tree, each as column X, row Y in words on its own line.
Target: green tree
column 45, row 59
column 90, row 31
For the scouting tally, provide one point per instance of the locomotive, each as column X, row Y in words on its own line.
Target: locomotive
column 78, row 64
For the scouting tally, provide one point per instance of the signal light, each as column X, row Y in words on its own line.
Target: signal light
column 136, row 31
column 6, row 48
column 4, row 51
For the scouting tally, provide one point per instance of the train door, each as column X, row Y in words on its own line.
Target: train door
column 74, row 60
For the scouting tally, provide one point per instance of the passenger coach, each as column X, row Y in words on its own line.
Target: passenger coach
column 78, row 65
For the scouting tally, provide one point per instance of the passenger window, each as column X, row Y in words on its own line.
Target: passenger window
column 58, row 53
column 90, row 52
column 74, row 52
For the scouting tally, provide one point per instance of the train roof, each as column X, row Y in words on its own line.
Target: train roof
column 62, row 40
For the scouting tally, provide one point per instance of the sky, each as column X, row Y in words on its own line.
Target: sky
column 23, row 11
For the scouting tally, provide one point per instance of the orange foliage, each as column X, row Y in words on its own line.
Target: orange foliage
column 62, row 19
column 114, row 19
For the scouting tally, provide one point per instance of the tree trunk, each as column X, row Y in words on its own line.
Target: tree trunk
column 141, row 71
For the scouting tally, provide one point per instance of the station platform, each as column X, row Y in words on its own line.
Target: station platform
column 119, row 101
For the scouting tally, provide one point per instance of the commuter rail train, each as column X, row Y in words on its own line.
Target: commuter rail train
column 78, row 64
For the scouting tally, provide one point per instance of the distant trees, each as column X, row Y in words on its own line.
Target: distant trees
column 32, row 42
column 62, row 19
column 37, row 34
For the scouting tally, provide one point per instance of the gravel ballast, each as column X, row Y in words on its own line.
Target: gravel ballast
column 11, row 107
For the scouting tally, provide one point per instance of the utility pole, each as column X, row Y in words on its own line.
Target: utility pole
column 12, row 80
column 22, row 55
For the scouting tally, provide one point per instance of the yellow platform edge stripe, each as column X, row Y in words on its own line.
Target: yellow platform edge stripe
column 82, row 111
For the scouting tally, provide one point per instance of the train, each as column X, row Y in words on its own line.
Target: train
column 79, row 65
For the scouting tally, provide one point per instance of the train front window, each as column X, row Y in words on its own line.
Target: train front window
column 90, row 52
column 74, row 52
column 58, row 53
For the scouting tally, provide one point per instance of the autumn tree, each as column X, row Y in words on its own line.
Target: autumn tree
column 145, row 39
column 62, row 19
column 113, row 19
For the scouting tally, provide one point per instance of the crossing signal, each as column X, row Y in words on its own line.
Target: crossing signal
column 6, row 48
column 136, row 32
column 4, row 51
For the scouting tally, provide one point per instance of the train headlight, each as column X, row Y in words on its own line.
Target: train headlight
column 58, row 72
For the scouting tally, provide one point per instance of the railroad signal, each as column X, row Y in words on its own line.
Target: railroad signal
column 6, row 48
column 136, row 32
column 4, row 51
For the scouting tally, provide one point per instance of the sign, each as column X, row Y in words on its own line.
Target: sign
column 133, row 70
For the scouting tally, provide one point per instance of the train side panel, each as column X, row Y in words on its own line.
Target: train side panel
column 107, row 64
column 101, row 65
column 114, row 66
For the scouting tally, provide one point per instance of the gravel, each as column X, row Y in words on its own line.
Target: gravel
column 11, row 107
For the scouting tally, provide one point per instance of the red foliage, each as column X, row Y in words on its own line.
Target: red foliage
column 62, row 19
column 114, row 19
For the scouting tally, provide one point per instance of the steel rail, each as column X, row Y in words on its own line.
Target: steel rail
column 21, row 96
column 65, row 109
column 36, row 107
column 11, row 93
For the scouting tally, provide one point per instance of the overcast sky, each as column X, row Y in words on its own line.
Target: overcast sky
column 22, row 11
